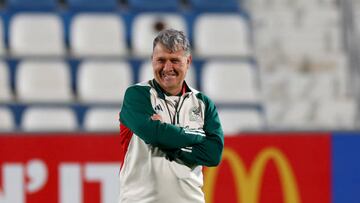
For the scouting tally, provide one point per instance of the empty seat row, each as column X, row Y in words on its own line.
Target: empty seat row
column 336, row 114
column 107, row 34
column 105, row 81
column 51, row 81
column 109, row 5
column 65, row 119
column 302, row 115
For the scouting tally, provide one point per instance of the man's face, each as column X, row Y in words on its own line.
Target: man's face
column 170, row 68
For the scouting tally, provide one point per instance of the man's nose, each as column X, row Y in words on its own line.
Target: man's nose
column 168, row 65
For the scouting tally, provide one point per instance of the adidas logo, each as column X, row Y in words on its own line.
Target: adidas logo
column 158, row 108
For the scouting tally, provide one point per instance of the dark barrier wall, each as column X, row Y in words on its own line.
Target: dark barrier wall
column 256, row 168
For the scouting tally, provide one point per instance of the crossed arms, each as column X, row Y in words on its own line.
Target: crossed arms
column 138, row 115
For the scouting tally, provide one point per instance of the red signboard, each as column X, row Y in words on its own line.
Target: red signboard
column 59, row 168
column 268, row 168
column 83, row 168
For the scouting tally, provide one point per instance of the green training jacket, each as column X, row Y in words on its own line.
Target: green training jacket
column 162, row 160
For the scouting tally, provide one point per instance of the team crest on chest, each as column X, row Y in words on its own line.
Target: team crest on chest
column 195, row 114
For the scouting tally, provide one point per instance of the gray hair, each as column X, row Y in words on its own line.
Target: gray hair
column 173, row 40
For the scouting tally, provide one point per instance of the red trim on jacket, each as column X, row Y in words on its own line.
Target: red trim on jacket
column 125, row 137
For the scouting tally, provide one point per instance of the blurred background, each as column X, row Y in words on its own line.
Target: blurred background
column 267, row 64
column 284, row 75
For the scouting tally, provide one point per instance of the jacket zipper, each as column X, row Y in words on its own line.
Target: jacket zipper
column 175, row 119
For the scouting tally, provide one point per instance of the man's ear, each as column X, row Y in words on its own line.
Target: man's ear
column 189, row 60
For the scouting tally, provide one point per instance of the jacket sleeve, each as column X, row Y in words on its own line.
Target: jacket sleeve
column 208, row 152
column 135, row 114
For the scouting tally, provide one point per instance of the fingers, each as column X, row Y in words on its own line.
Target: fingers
column 156, row 117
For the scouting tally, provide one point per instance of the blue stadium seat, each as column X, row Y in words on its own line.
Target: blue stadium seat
column 31, row 5
column 214, row 5
column 154, row 5
column 92, row 5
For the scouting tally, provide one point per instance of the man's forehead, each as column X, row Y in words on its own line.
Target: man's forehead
column 162, row 50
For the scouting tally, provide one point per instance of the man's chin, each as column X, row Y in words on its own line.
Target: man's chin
column 169, row 86
column 169, row 83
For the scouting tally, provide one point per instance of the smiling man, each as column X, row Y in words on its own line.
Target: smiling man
column 168, row 130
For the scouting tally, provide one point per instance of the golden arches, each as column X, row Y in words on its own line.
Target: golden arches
column 251, row 181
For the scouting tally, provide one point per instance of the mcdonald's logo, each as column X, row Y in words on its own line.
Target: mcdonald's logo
column 248, row 182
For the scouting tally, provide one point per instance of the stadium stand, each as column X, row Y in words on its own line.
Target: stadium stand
column 283, row 64
column 305, row 65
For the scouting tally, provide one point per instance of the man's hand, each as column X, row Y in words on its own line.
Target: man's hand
column 156, row 117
